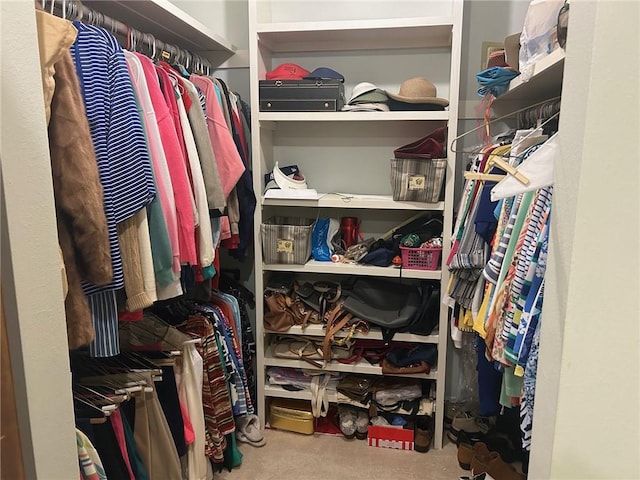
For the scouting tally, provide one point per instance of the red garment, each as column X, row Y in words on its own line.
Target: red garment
column 176, row 163
column 189, row 433
column 130, row 316
column 116, row 423
column 181, row 88
column 230, row 165
column 240, row 130
column 170, row 97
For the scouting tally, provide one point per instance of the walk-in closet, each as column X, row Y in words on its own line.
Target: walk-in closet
column 273, row 239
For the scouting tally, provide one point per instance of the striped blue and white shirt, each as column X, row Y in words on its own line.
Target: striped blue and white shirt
column 123, row 157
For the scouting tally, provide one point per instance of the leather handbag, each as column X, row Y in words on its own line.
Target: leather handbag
column 357, row 388
column 282, row 312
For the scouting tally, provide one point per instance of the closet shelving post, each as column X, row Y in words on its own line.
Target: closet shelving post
column 349, row 152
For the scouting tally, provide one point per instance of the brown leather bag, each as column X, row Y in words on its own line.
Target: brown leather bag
column 282, row 312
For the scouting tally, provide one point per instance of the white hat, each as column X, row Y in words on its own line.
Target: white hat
column 366, row 92
column 361, row 88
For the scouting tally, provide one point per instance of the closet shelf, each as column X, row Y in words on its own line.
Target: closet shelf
column 361, row 366
column 169, row 24
column 545, row 83
column 312, row 266
column 278, row 391
column 315, row 330
column 350, row 35
column 377, row 202
column 353, row 116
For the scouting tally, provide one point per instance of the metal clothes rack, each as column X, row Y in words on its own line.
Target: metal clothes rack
column 530, row 117
column 133, row 39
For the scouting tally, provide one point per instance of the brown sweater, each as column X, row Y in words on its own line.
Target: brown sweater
column 82, row 225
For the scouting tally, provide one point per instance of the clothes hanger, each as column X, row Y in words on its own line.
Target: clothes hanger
column 504, row 165
column 94, row 420
column 511, row 114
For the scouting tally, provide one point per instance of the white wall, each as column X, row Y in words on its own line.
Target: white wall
column 586, row 407
column 31, row 282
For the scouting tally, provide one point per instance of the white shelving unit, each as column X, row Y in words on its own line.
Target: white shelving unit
column 314, row 330
column 349, row 152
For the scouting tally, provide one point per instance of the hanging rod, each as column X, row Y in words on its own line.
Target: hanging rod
column 75, row 10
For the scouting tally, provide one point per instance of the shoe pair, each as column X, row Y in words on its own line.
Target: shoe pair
column 474, row 427
column 353, row 423
column 479, row 459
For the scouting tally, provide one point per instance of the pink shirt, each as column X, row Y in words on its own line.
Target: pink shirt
column 176, row 163
column 158, row 159
column 228, row 159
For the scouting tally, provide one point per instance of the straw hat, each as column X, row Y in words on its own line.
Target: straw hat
column 418, row 90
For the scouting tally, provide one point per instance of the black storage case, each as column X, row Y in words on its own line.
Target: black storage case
column 301, row 95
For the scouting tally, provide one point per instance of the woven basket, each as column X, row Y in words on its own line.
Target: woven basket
column 286, row 240
column 417, row 180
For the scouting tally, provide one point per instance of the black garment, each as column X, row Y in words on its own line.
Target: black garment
column 107, row 447
column 168, row 395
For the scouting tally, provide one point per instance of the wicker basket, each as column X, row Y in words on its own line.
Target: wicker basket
column 420, row 258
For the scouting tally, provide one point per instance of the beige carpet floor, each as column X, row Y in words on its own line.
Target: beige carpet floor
column 291, row 456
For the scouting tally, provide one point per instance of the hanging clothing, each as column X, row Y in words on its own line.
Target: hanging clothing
column 116, row 130
column 215, row 397
column 190, row 381
column 210, row 173
column 163, row 224
column 229, row 162
column 175, row 162
column 122, row 157
column 91, row 467
column 82, row 223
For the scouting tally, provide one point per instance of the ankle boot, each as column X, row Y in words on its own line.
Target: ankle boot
column 466, row 453
column 494, row 466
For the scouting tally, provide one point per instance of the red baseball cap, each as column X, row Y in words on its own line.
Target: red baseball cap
column 287, row 71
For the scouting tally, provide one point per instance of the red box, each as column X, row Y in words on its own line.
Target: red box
column 390, row 437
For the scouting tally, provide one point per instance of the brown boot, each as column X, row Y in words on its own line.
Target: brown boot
column 494, row 466
column 466, row 453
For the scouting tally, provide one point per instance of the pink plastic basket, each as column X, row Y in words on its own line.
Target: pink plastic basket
column 420, row 258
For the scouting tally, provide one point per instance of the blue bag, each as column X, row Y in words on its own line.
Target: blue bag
column 320, row 250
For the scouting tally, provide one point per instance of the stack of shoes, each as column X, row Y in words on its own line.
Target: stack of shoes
column 480, row 460
column 474, row 427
